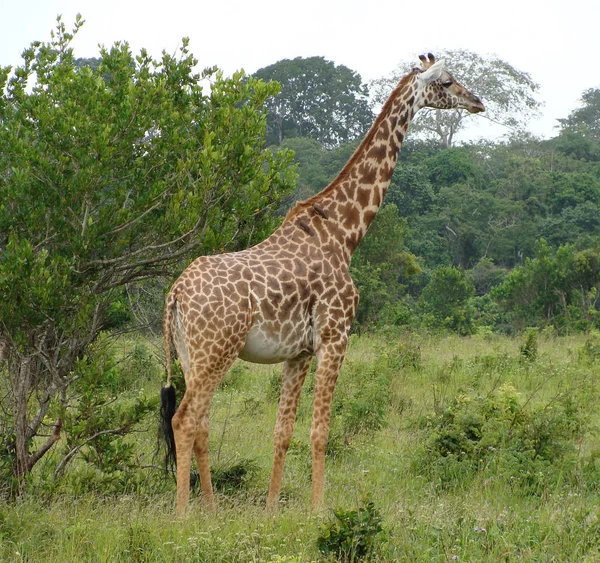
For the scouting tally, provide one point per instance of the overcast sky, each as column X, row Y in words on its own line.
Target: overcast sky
column 556, row 41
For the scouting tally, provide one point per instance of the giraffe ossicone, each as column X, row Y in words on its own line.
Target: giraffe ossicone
column 289, row 298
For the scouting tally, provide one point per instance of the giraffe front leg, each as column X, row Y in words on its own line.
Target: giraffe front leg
column 330, row 359
column 294, row 373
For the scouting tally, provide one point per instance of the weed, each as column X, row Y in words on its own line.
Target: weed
column 529, row 348
column 352, row 534
column 233, row 477
column 235, row 377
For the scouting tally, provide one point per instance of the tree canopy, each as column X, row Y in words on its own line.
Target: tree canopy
column 318, row 100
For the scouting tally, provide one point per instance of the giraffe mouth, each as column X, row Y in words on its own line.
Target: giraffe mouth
column 476, row 106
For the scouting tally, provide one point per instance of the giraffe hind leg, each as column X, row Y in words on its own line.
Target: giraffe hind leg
column 190, row 430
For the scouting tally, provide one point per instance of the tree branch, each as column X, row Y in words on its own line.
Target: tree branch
column 52, row 439
column 61, row 466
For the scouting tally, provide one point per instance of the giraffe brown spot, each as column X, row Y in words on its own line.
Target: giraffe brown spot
column 363, row 196
column 288, row 288
column 377, row 198
column 351, row 216
column 303, row 290
column 386, row 172
column 368, row 173
column 377, row 152
column 299, row 268
column 352, row 242
column 368, row 217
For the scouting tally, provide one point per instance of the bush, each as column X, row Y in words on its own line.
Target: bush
column 446, row 300
column 497, row 434
column 233, row 477
column 529, row 348
column 362, row 401
column 353, row 534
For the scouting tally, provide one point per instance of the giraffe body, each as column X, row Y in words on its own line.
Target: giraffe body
column 290, row 297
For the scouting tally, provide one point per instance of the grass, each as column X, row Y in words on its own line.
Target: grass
column 391, row 394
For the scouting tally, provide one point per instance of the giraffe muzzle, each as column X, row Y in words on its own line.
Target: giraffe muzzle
column 476, row 106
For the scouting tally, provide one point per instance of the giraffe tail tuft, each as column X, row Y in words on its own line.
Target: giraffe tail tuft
column 168, row 406
column 168, row 398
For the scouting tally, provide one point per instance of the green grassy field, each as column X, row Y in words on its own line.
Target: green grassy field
column 471, row 449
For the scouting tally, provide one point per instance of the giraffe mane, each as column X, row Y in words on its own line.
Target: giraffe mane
column 385, row 110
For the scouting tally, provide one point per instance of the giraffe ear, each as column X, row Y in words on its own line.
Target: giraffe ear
column 433, row 72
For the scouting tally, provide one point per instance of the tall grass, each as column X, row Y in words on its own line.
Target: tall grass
column 469, row 449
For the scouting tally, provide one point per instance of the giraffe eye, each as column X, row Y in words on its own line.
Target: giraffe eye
column 447, row 84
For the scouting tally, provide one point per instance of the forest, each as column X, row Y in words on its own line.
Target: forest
column 465, row 424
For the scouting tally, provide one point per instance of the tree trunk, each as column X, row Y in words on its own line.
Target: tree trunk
column 23, row 373
column 20, row 370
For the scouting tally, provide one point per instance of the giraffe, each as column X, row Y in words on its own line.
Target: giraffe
column 290, row 298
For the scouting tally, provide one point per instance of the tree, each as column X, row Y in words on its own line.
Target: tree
column 585, row 119
column 317, row 166
column 580, row 131
column 445, row 300
column 508, row 94
column 380, row 264
column 110, row 176
column 559, row 288
column 318, row 100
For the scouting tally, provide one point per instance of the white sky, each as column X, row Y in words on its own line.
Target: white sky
column 556, row 41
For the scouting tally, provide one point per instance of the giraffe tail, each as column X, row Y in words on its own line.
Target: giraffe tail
column 168, row 398
column 168, row 406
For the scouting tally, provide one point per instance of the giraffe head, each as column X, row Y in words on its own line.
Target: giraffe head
column 440, row 90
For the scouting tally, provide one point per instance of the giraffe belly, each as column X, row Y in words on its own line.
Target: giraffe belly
column 267, row 347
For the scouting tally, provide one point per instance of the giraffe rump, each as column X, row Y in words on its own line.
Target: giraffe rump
column 168, row 406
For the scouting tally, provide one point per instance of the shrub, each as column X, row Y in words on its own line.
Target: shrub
column 352, row 534
column 499, row 434
column 529, row 348
column 233, row 477
column 446, row 300
column 362, row 402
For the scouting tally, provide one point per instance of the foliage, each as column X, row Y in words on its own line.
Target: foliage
column 529, row 348
column 446, row 300
column 353, row 534
column 554, row 288
column 497, row 433
column 508, row 93
column 318, row 100
column 317, row 166
column 362, row 401
column 585, row 120
column 112, row 175
column 380, row 264
column 233, row 477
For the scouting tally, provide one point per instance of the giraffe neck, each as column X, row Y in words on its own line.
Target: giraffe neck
column 345, row 209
